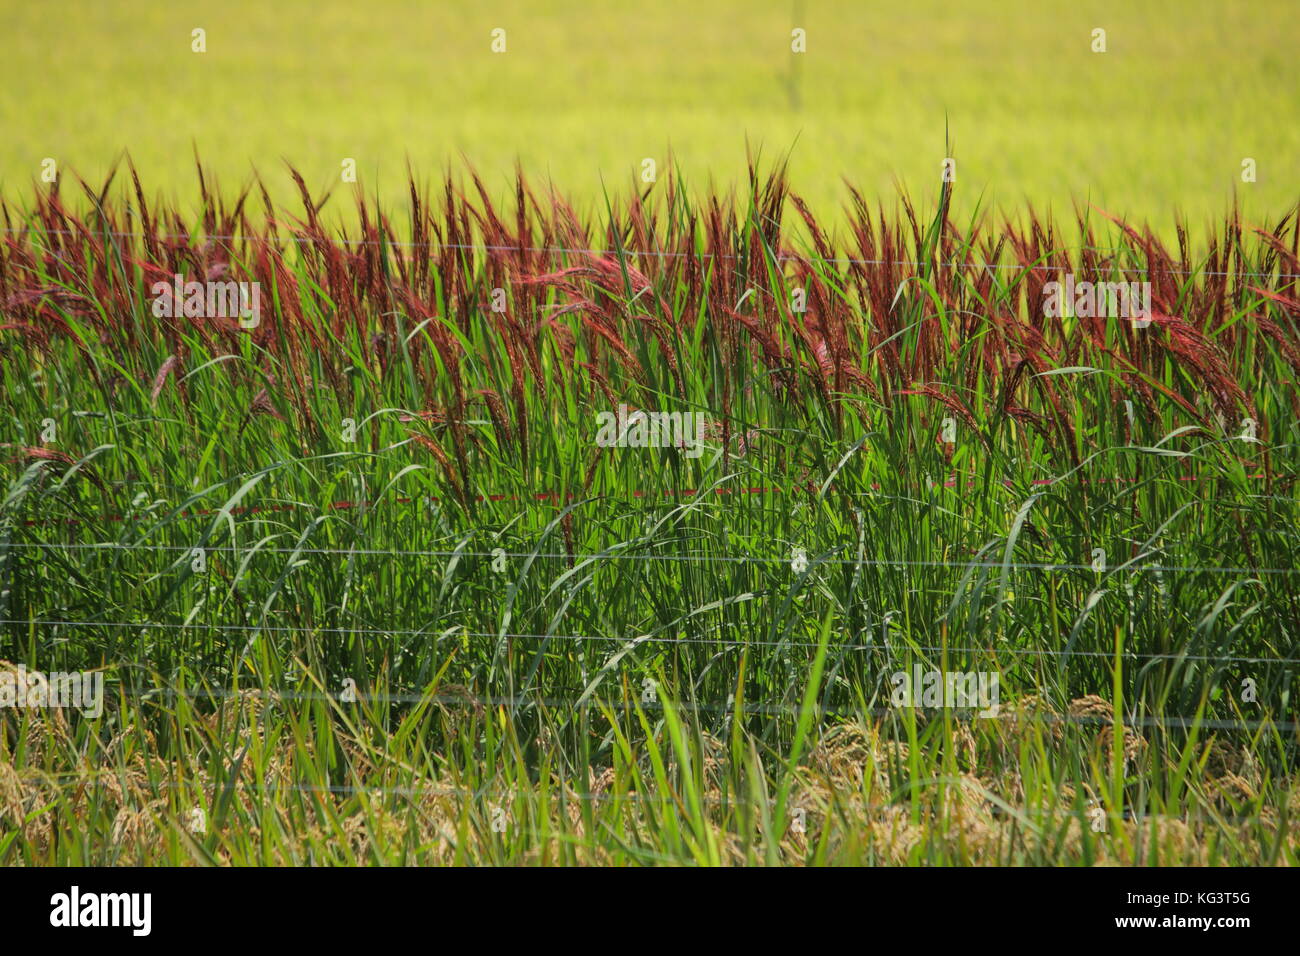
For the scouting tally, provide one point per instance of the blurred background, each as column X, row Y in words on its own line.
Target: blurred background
column 585, row 91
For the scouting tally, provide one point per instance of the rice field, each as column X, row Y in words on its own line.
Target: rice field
column 697, row 528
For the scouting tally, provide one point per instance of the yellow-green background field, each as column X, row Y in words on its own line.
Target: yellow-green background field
column 1159, row 122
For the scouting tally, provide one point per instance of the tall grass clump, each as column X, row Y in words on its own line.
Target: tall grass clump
column 364, row 587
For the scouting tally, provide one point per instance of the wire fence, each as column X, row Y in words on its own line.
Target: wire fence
column 1162, row 722
column 1130, row 566
column 455, row 633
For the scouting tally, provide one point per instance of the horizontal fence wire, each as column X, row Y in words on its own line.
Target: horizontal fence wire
column 1179, row 721
column 514, row 702
column 813, row 560
column 898, row 646
column 353, row 790
column 656, row 253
